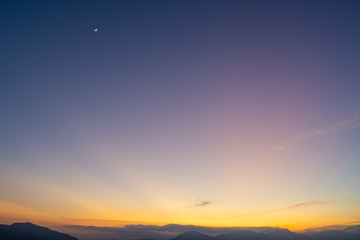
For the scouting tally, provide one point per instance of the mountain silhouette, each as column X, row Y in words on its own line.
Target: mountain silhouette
column 193, row 235
column 245, row 234
column 335, row 235
column 353, row 229
column 29, row 231
column 268, row 234
column 350, row 233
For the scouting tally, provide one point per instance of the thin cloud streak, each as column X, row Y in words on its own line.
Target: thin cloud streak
column 340, row 126
column 299, row 205
column 304, row 204
column 200, row 204
column 353, row 222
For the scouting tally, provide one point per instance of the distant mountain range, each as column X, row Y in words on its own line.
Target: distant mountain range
column 29, row 231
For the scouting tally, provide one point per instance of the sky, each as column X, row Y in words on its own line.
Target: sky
column 211, row 113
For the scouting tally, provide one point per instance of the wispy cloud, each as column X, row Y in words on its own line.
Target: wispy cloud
column 353, row 222
column 340, row 126
column 200, row 204
column 304, row 204
column 298, row 205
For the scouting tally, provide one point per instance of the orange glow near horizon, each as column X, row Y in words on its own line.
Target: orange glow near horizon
column 296, row 220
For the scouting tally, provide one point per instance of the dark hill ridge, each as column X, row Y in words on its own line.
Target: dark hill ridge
column 193, row 235
column 270, row 233
column 29, row 231
column 350, row 233
column 353, row 229
column 336, row 235
column 245, row 234
column 275, row 234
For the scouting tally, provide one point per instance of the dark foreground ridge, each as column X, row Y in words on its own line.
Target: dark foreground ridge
column 351, row 233
column 29, row 231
